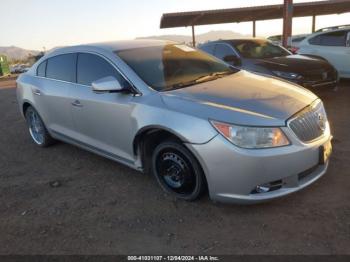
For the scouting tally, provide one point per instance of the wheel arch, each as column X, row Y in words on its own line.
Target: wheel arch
column 156, row 134
column 152, row 129
column 148, row 137
column 25, row 106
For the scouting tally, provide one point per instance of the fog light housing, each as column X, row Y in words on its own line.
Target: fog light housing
column 262, row 189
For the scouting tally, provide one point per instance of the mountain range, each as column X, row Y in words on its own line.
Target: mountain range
column 17, row 53
column 200, row 38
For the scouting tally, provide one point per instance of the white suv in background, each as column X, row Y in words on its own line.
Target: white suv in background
column 332, row 44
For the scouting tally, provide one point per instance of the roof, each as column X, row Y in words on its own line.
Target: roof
column 244, row 14
column 111, row 46
column 129, row 44
column 236, row 40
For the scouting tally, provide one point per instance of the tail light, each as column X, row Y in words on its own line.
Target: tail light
column 294, row 49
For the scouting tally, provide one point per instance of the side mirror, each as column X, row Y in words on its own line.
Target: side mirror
column 107, row 84
column 232, row 59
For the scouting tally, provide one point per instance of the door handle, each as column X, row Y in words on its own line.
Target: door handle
column 37, row 92
column 77, row 103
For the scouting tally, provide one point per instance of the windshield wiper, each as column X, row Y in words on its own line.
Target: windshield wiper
column 201, row 79
column 212, row 76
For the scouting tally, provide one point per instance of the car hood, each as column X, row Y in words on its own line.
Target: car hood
column 242, row 98
column 292, row 63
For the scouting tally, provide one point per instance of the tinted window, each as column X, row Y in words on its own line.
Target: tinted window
column 172, row 66
column 62, row 67
column 92, row 67
column 298, row 39
column 40, row 71
column 330, row 39
column 315, row 40
column 258, row 49
column 208, row 48
column 222, row 50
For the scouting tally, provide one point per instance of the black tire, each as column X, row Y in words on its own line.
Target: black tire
column 43, row 139
column 177, row 171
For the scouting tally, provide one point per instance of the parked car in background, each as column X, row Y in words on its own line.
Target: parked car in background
column 18, row 69
column 262, row 56
column 180, row 114
column 296, row 39
column 331, row 44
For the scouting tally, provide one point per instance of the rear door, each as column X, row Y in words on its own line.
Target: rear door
column 56, row 77
column 102, row 120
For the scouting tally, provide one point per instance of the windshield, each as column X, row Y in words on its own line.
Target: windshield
column 173, row 66
column 258, row 49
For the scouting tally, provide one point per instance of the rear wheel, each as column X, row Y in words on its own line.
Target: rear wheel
column 37, row 129
column 177, row 171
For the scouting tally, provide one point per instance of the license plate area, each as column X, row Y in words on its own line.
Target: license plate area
column 325, row 152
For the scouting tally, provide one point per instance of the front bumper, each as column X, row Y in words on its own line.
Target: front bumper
column 321, row 84
column 316, row 82
column 233, row 173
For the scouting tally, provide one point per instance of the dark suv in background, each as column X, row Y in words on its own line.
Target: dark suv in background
column 262, row 56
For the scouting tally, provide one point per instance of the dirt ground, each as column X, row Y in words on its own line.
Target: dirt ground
column 101, row 207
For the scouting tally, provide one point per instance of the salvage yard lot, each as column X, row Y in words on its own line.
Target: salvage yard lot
column 64, row 200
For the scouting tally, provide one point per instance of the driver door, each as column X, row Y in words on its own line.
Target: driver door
column 102, row 120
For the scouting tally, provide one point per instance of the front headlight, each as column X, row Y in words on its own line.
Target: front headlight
column 288, row 75
column 252, row 137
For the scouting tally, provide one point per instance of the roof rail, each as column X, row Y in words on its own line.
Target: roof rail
column 332, row 28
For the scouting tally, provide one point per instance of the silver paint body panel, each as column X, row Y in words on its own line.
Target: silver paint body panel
column 107, row 123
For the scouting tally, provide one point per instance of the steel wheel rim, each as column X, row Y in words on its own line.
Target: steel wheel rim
column 36, row 128
column 175, row 172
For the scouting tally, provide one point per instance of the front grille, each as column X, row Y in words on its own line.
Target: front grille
column 310, row 123
column 319, row 75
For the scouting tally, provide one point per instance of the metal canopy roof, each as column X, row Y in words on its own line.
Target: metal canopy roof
column 244, row 14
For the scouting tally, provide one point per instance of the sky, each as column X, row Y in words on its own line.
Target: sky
column 39, row 24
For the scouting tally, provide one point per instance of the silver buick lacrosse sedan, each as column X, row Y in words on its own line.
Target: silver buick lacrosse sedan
column 192, row 121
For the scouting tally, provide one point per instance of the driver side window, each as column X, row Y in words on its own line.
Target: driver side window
column 92, row 67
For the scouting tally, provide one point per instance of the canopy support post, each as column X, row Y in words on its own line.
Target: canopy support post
column 287, row 22
column 193, row 37
column 313, row 23
column 254, row 28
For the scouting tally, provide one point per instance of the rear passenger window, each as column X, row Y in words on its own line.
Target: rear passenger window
column 330, row 39
column 208, row 48
column 92, row 67
column 62, row 67
column 223, row 50
column 41, row 69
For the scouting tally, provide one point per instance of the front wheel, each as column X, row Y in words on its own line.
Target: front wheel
column 177, row 171
column 37, row 129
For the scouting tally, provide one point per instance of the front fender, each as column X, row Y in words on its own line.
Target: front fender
column 189, row 129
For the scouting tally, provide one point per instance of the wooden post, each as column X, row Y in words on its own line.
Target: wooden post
column 287, row 22
column 254, row 29
column 193, row 37
column 313, row 23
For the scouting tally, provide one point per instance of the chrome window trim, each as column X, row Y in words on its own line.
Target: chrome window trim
column 138, row 92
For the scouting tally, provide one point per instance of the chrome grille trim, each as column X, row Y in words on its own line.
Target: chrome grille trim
column 306, row 124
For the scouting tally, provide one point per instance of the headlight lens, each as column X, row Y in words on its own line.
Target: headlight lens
column 288, row 75
column 252, row 137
